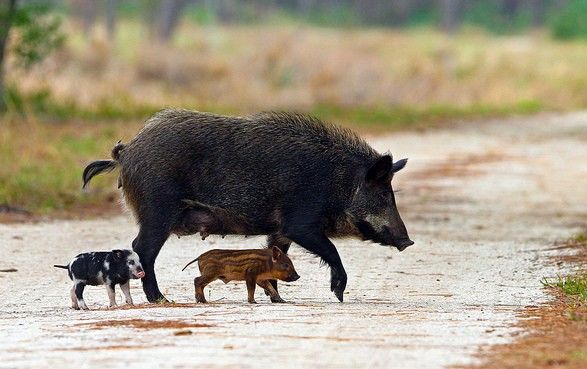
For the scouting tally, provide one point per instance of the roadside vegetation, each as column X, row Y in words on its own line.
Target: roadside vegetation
column 575, row 285
column 556, row 332
column 94, row 90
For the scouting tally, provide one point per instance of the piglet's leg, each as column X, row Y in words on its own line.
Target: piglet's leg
column 251, row 283
column 270, row 291
column 79, row 295
column 111, row 294
column 199, row 284
column 74, row 303
column 126, row 290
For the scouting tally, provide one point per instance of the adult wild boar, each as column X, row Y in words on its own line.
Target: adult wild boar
column 284, row 175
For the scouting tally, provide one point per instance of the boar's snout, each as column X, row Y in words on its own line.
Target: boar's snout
column 402, row 244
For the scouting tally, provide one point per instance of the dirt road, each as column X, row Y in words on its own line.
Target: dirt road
column 484, row 203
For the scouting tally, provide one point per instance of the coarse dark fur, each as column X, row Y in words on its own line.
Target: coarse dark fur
column 102, row 268
column 255, row 266
column 284, row 175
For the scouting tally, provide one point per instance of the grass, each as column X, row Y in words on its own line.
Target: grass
column 555, row 334
column 74, row 107
column 41, row 161
column 41, row 164
column 573, row 285
column 252, row 68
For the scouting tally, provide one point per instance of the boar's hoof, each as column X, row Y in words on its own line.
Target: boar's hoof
column 337, row 286
column 277, row 299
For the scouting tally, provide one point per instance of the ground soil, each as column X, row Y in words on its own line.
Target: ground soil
column 552, row 335
column 485, row 202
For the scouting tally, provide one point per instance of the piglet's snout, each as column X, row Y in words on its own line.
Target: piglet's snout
column 138, row 273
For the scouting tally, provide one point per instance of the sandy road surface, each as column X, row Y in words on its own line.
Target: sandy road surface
column 484, row 204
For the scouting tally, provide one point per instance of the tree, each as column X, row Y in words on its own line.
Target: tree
column 169, row 16
column 450, row 15
column 111, row 19
column 31, row 33
column 7, row 14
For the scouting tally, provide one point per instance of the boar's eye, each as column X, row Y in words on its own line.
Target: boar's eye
column 131, row 262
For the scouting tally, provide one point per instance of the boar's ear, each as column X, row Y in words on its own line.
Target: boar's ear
column 118, row 254
column 380, row 171
column 276, row 253
column 399, row 165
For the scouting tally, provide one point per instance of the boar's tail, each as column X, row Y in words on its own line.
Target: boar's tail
column 61, row 266
column 97, row 167
column 102, row 166
column 190, row 263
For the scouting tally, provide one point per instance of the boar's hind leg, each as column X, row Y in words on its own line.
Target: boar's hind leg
column 313, row 240
column 283, row 243
column 147, row 245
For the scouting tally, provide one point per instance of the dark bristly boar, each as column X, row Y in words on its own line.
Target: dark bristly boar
column 255, row 266
column 284, row 175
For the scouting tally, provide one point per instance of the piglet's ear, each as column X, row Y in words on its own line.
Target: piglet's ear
column 118, row 254
column 276, row 253
column 380, row 171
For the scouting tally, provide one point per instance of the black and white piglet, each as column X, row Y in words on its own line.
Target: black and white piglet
column 107, row 268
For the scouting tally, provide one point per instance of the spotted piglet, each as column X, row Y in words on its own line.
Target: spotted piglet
column 103, row 268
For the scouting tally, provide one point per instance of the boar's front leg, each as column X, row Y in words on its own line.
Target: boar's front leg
column 283, row 243
column 313, row 239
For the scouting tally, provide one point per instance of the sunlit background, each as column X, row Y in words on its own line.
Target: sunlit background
column 79, row 75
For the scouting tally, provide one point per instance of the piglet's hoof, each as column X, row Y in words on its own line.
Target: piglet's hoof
column 252, row 302
column 278, row 299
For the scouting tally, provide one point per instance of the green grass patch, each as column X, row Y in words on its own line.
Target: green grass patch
column 392, row 117
column 402, row 117
column 42, row 159
column 570, row 285
column 574, row 285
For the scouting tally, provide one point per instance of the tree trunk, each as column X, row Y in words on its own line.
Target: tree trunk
column 450, row 15
column 111, row 19
column 85, row 11
column 169, row 16
column 6, row 17
column 538, row 9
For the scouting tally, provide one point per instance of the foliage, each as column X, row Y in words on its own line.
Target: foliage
column 488, row 15
column 37, row 33
column 571, row 22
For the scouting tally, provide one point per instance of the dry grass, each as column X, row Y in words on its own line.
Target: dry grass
column 41, row 163
column 250, row 68
column 374, row 80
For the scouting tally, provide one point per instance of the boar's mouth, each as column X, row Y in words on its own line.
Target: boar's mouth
column 384, row 238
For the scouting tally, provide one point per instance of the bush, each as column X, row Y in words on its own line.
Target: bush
column 571, row 22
